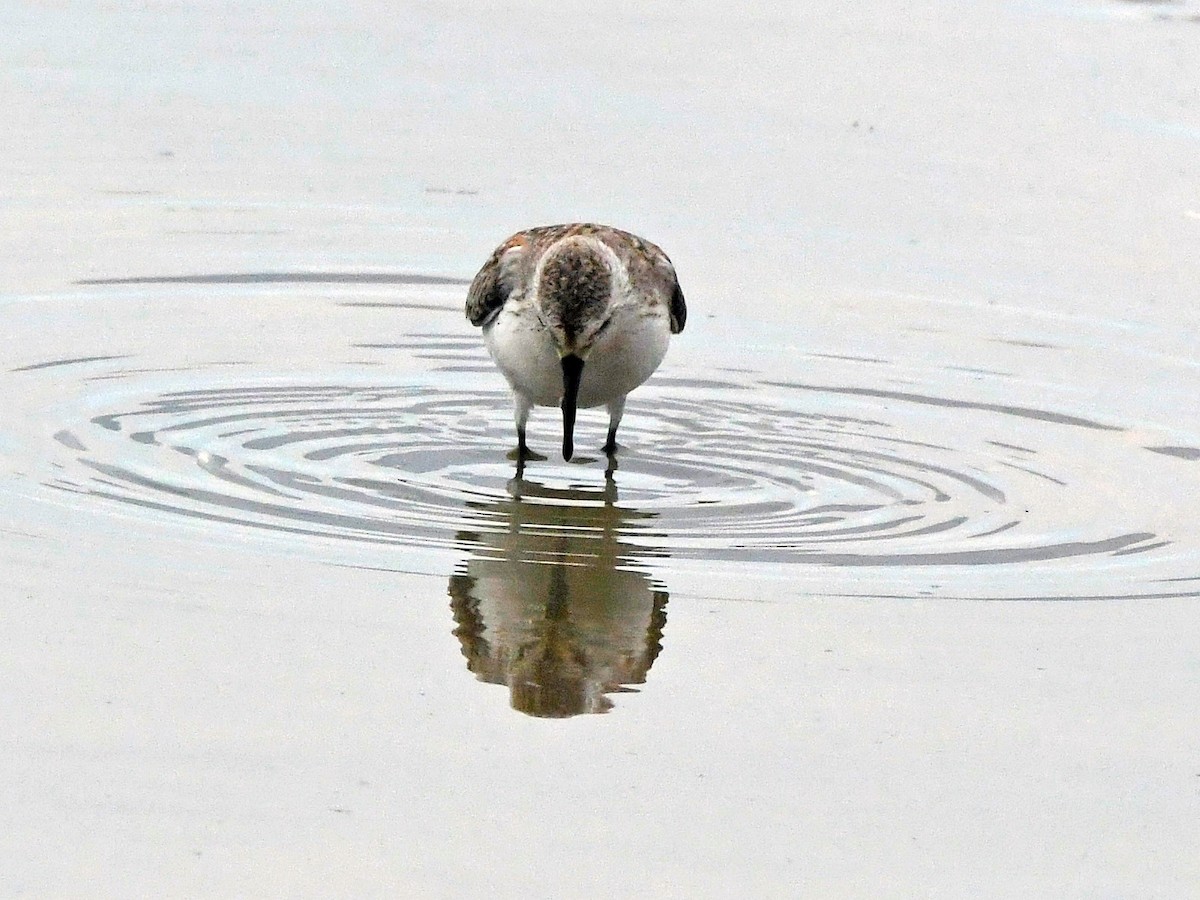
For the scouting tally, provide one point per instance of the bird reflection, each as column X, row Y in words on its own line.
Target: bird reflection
column 549, row 603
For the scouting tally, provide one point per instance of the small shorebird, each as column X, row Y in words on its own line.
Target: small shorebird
column 576, row 315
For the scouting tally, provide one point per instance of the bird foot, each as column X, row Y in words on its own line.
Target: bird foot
column 524, row 454
column 610, row 445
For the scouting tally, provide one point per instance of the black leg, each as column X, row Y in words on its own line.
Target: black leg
column 610, row 482
column 523, row 453
column 610, row 446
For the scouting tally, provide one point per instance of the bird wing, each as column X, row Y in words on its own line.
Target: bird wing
column 501, row 274
column 504, row 270
column 648, row 255
column 488, row 290
column 678, row 310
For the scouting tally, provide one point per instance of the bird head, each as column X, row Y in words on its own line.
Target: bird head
column 575, row 288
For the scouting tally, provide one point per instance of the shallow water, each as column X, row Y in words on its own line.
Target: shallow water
column 891, row 591
column 745, row 463
column 750, row 468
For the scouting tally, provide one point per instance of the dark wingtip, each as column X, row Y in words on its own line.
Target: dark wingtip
column 678, row 310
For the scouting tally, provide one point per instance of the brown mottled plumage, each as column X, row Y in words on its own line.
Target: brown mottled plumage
column 576, row 314
column 646, row 263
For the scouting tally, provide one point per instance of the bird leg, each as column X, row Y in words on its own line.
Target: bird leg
column 522, row 452
column 616, row 409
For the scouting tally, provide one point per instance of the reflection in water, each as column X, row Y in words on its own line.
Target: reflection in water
column 549, row 604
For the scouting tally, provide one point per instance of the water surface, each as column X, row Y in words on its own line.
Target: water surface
column 892, row 590
column 746, row 464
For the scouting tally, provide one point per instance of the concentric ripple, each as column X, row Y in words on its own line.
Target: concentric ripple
column 724, row 472
column 722, row 477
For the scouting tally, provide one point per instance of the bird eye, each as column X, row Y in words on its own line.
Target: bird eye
column 603, row 328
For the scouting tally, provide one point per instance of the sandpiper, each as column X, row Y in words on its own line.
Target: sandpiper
column 576, row 315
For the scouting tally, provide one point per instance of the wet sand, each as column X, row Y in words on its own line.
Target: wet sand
column 894, row 591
